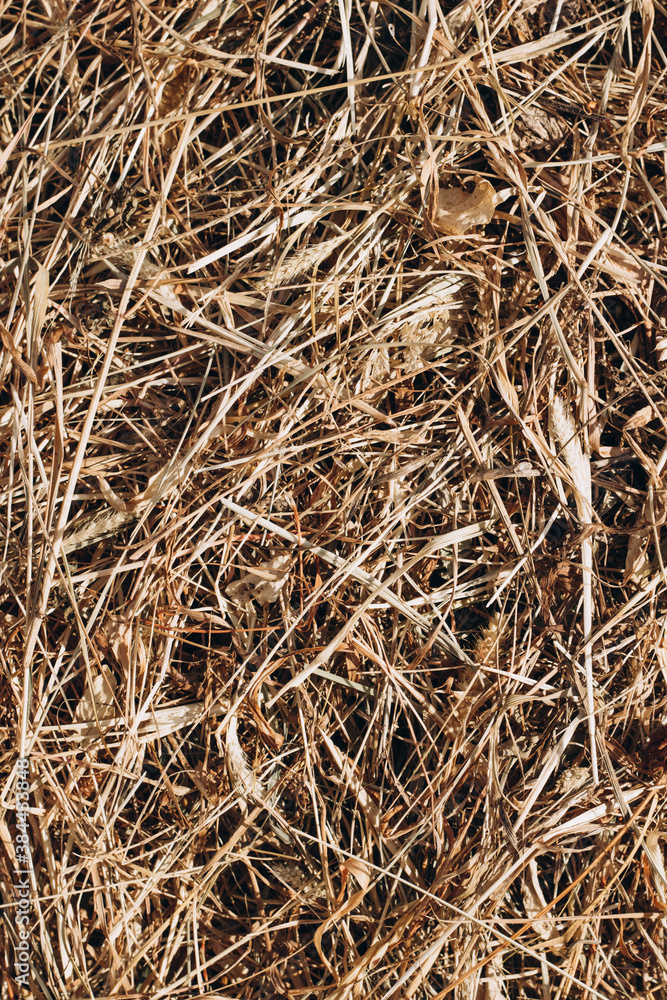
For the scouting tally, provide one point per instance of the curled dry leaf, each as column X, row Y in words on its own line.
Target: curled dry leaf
column 640, row 418
column 360, row 870
column 263, row 583
column 534, row 901
column 661, row 348
column 459, row 210
column 118, row 636
column 245, row 782
column 111, row 498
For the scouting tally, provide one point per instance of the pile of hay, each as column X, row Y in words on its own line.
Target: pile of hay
column 334, row 443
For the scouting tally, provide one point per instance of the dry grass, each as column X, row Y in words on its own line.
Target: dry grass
column 334, row 434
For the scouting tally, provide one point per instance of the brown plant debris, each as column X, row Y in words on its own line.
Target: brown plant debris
column 333, row 443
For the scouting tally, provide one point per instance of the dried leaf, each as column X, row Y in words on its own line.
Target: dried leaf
column 534, row 901
column 360, row 870
column 640, row 419
column 111, row 498
column 459, row 210
column 269, row 735
column 263, row 583
column 637, row 562
column 537, row 129
column 245, row 781
column 23, row 367
column 118, row 634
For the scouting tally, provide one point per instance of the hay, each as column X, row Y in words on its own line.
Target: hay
column 333, row 447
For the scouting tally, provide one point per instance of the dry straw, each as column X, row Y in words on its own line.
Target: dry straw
column 579, row 467
column 332, row 429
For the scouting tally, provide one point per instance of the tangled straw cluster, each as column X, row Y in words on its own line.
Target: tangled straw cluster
column 333, row 449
